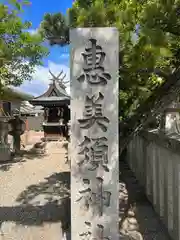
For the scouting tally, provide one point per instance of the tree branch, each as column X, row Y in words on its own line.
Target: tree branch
column 156, row 71
column 155, row 104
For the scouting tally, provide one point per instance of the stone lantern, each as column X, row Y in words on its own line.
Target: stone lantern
column 17, row 128
column 5, row 153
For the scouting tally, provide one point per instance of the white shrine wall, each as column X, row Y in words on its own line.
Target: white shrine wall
column 155, row 160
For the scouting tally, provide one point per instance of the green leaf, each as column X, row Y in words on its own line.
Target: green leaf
column 165, row 52
column 20, row 52
column 18, row 6
column 26, row 2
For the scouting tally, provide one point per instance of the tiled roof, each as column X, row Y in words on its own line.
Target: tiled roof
column 56, row 91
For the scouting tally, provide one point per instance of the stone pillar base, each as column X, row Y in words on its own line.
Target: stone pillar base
column 5, row 153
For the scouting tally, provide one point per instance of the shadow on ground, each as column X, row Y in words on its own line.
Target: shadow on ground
column 56, row 192
column 24, row 155
column 55, row 186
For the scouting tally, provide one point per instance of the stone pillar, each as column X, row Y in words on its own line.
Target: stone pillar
column 17, row 129
column 5, row 154
column 94, row 133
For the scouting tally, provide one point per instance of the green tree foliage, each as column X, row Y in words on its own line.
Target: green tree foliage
column 10, row 94
column 55, row 29
column 147, row 48
column 20, row 51
column 149, row 52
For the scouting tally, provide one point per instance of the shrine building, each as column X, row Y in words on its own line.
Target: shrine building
column 55, row 102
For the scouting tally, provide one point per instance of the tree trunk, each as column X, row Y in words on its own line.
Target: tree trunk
column 155, row 104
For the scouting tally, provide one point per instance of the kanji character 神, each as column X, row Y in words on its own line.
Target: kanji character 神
column 88, row 234
column 97, row 200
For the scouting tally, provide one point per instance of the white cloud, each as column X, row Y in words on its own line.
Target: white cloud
column 33, row 31
column 41, row 78
column 42, row 73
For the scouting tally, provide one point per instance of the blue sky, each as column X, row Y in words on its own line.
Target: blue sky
column 58, row 58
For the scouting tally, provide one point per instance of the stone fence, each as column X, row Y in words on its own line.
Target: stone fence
column 155, row 160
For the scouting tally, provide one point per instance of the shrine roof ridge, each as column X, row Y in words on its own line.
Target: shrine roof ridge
column 56, row 92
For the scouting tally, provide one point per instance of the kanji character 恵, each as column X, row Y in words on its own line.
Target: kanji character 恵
column 94, row 72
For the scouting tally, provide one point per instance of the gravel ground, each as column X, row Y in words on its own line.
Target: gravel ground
column 35, row 205
column 34, row 194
